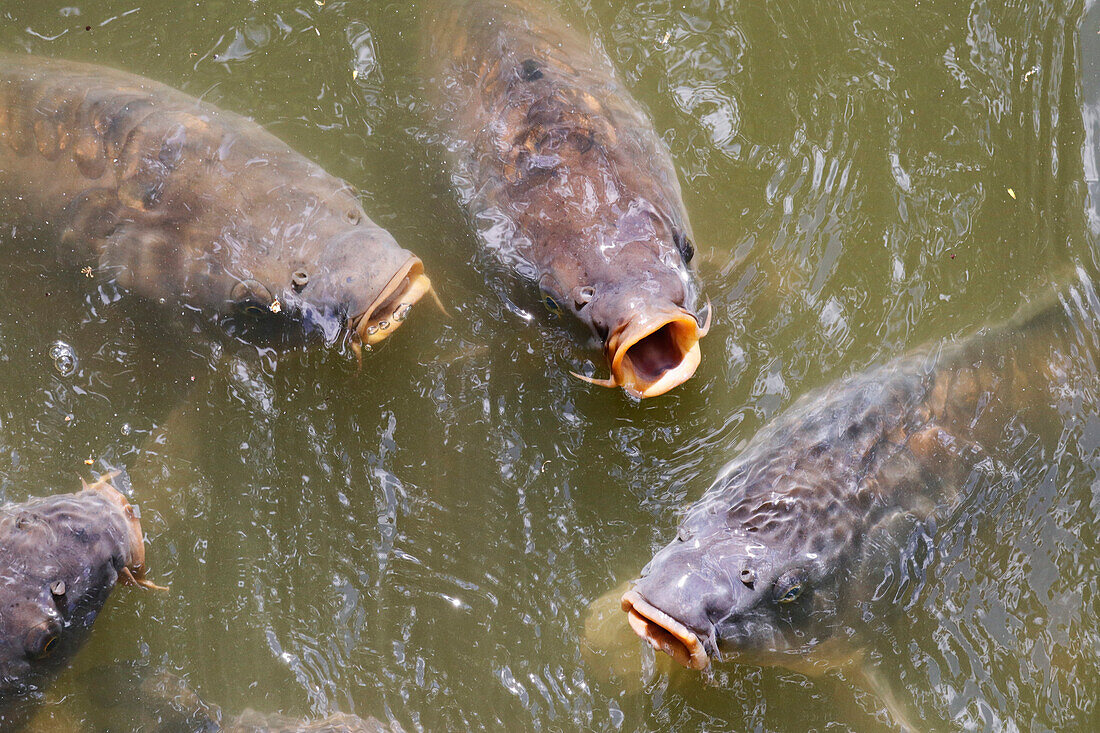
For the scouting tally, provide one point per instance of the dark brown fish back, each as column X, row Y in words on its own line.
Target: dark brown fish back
column 546, row 134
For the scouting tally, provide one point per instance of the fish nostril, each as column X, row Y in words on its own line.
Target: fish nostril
column 748, row 576
column 353, row 217
column 299, row 280
column 583, row 296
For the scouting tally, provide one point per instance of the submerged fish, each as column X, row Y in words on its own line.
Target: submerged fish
column 555, row 153
column 184, row 203
column 60, row 558
column 769, row 566
column 151, row 701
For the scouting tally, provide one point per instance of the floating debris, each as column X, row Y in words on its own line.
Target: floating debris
column 86, row 271
column 1012, row 194
column 275, row 306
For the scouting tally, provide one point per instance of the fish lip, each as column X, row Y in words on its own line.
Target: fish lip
column 402, row 291
column 684, row 334
column 664, row 633
column 134, row 570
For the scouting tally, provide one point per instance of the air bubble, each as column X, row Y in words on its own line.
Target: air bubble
column 64, row 358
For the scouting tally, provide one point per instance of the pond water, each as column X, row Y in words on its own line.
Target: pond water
column 420, row 540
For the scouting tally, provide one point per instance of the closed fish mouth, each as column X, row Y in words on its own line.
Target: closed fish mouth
column 386, row 314
column 652, row 354
column 664, row 633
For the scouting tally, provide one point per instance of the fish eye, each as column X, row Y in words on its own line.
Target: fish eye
column 529, row 70
column 41, row 641
column 254, row 309
column 551, row 305
column 683, row 243
column 788, row 587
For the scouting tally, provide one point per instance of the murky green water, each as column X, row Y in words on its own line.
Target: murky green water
column 419, row 541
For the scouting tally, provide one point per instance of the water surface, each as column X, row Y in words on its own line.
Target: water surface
column 420, row 540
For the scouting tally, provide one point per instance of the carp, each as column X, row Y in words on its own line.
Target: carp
column 570, row 183
column 770, row 565
column 158, row 700
column 183, row 203
column 60, row 558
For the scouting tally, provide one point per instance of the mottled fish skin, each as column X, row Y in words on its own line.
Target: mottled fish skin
column 184, row 203
column 767, row 568
column 60, row 558
column 549, row 143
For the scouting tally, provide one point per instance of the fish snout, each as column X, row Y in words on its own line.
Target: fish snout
column 665, row 632
column 369, row 278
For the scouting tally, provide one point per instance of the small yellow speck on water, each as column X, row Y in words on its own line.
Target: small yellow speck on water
column 668, row 35
column 275, row 306
column 86, row 271
column 320, row 3
column 1012, row 194
column 89, row 461
column 355, row 74
column 68, row 418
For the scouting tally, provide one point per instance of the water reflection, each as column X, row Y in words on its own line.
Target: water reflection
column 420, row 540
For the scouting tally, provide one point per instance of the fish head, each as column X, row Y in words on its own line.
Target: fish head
column 308, row 261
column 60, row 557
column 642, row 303
column 362, row 282
column 762, row 585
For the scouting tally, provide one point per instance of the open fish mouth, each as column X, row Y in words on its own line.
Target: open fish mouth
column 664, row 633
column 652, row 354
column 386, row 314
column 133, row 573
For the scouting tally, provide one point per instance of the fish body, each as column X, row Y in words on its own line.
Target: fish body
column 769, row 565
column 60, row 558
column 569, row 181
column 183, row 203
column 161, row 701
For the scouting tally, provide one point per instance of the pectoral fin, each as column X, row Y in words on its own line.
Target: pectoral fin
column 869, row 677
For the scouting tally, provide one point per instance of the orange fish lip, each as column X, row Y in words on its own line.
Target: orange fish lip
column 664, row 633
column 652, row 354
column 389, row 310
column 134, row 571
